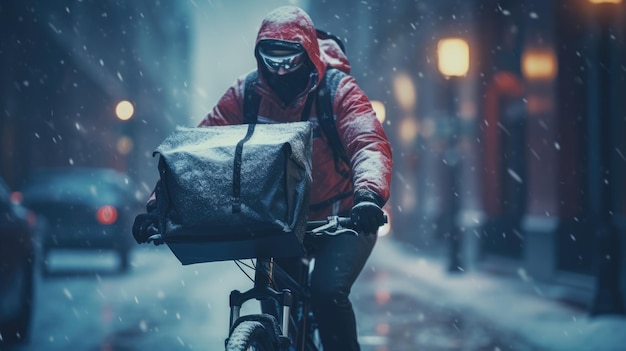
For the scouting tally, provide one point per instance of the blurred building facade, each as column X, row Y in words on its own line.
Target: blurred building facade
column 535, row 129
column 65, row 65
column 515, row 165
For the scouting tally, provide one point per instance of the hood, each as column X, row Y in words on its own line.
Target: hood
column 292, row 24
column 333, row 55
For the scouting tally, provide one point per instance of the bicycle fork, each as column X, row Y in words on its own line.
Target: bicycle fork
column 263, row 290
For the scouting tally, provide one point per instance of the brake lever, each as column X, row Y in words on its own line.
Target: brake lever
column 156, row 239
column 341, row 231
column 333, row 228
column 333, row 223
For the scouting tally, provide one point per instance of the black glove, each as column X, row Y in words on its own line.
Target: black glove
column 146, row 225
column 367, row 216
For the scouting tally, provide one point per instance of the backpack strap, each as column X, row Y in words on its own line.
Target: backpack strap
column 251, row 100
column 325, row 94
column 322, row 34
column 324, row 105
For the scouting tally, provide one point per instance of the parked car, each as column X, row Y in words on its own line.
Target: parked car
column 84, row 208
column 17, row 257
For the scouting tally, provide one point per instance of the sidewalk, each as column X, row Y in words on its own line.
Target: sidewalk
column 548, row 324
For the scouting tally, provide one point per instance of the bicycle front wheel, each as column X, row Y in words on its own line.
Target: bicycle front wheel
column 250, row 336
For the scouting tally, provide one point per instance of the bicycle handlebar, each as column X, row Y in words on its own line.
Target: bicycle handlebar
column 330, row 222
column 333, row 225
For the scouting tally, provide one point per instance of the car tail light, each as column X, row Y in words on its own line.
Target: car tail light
column 32, row 218
column 17, row 198
column 107, row 214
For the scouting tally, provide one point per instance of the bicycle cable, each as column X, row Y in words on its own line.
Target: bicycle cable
column 252, row 266
column 240, row 263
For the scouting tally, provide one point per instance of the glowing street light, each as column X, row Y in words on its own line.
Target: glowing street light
column 404, row 91
column 453, row 57
column 379, row 108
column 124, row 145
column 453, row 62
column 408, row 129
column 124, row 110
column 605, row 1
column 539, row 64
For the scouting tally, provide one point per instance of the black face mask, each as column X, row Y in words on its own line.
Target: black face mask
column 289, row 85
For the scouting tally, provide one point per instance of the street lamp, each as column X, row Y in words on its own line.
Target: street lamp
column 604, row 168
column 124, row 111
column 539, row 67
column 453, row 62
column 453, row 57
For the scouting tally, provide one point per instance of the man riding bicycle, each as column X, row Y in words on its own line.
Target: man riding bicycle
column 291, row 64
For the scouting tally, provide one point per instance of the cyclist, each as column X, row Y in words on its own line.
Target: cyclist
column 290, row 64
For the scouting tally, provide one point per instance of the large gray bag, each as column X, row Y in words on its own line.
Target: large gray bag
column 235, row 192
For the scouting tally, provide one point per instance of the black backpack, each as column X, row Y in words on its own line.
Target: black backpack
column 325, row 93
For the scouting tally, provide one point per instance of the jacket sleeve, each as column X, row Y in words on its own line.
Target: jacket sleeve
column 365, row 142
column 229, row 108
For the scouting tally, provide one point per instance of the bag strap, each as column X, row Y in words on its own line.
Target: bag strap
column 251, row 100
column 326, row 92
column 236, row 206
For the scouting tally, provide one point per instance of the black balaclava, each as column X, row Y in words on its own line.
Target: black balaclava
column 290, row 85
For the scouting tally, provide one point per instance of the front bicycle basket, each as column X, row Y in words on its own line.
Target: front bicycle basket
column 235, row 192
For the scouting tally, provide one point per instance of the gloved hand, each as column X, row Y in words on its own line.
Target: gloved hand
column 367, row 217
column 145, row 226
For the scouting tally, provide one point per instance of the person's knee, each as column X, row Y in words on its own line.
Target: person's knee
column 329, row 298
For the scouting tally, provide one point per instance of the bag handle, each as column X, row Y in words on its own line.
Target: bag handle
column 236, row 206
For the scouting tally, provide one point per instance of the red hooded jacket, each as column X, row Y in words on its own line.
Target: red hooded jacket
column 361, row 133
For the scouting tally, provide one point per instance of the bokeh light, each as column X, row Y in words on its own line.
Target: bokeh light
column 124, row 110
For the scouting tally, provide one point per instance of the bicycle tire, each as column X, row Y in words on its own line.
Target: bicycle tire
column 250, row 336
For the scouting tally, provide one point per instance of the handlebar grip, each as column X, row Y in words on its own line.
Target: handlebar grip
column 345, row 222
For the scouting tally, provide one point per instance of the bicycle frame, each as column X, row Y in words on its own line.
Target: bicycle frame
column 295, row 295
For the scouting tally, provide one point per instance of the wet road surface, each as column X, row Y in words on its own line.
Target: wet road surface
column 392, row 318
column 161, row 305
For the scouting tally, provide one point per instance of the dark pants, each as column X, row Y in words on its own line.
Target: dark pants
column 338, row 262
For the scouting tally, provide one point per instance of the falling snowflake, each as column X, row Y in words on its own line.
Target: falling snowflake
column 68, row 294
column 515, row 176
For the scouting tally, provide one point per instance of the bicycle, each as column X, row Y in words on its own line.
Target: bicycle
column 293, row 327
